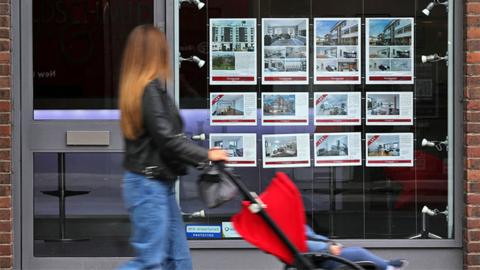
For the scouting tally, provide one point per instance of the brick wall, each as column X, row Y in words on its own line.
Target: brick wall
column 472, row 134
column 6, row 245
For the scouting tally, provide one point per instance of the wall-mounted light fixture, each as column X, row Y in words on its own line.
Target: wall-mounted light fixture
column 433, row 58
column 195, row 59
column 197, row 3
column 432, row 4
column 436, row 144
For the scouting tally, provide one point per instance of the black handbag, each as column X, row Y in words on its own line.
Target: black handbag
column 215, row 185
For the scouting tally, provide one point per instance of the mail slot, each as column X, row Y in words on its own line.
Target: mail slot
column 91, row 138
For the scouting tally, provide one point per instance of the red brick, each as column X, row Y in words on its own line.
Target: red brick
column 5, row 238
column 472, row 8
column 472, row 151
column 472, row 32
column 473, row 223
column 5, row 250
column 472, row 211
column 473, row 259
column 472, row 105
column 469, row 127
column 472, row 187
column 472, row 57
column 473, row 247
column 5, row 226
column 6, row 262
column 5, row 178
column 472, row 69
column 472, row 21
column 471, row 199
column 4, row 166
column 5, row 57
column 472, row 116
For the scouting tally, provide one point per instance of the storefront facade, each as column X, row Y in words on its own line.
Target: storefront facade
column 61, row 202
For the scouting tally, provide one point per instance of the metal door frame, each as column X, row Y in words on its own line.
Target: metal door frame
column 31, row 136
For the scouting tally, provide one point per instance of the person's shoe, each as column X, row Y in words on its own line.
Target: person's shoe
column 398, row 264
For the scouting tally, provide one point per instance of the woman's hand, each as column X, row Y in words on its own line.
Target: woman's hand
column 217, row 154
column 335, row 250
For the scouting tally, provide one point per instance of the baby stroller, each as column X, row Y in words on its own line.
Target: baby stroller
column 274, row 221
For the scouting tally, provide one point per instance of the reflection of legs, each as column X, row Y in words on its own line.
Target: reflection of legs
column 179, row 252
column 356, row 254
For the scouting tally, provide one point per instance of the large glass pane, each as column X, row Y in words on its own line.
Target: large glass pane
column 356, row 202
column 77, row 47
column 89, row 220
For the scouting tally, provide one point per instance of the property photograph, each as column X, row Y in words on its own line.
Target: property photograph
column 401, row 64
column 275, row 52
column 382, row 104
column 336, row 32
column 380, row 65
column 400, row 52
column 326, row 52
column 286, row 32
column 330, row 65
column 347, row 52
column 233, row 145
column 389, row 32
column 281, row 146
column 347, row 65
column 385, row 145
column 333, row 145
column 223, row 61
column 233, row 35
column 379, row 52
column 333, row 105
column 296, row 52
column 278, row 105
column 228, row 105
column 274, row 65
column 296, row 65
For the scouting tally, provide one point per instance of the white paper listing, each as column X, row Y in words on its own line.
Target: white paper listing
column 233, row 109
column 337, row 108
column 285, row 51
column 286, row 108
column 338, row 149
column 286, row 150
column 240, row 147
column 233, row 51
column 387, row 108
column 389, row 50
column 389, row 149
column 337, row 51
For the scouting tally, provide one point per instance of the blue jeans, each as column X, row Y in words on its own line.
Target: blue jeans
column 354, row 254
column 158, row 232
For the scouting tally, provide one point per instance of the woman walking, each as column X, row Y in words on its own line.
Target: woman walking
column 156, row 153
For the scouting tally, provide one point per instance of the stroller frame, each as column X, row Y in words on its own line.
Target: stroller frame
column 303, row 261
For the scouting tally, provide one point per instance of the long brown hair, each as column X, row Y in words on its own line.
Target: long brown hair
column 145, row 58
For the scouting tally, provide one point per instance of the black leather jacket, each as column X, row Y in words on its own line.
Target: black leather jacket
column 162, row 151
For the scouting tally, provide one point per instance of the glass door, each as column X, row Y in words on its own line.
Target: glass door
column 71, row 142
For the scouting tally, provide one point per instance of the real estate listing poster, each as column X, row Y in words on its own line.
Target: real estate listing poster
column 233, row 51
column 240, row 147
column 389, row 50
column 338, row 149
column 233, row 109
column 389, row 149
column 285, row 51
column 387, row 108
column 337, row 51
column 337, row 108
column 280, row 109
column 286, row 150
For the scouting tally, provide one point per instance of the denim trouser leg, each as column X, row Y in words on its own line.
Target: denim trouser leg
column 356, row 254
column 158, row 235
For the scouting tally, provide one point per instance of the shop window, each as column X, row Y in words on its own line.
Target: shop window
column 360, row 200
